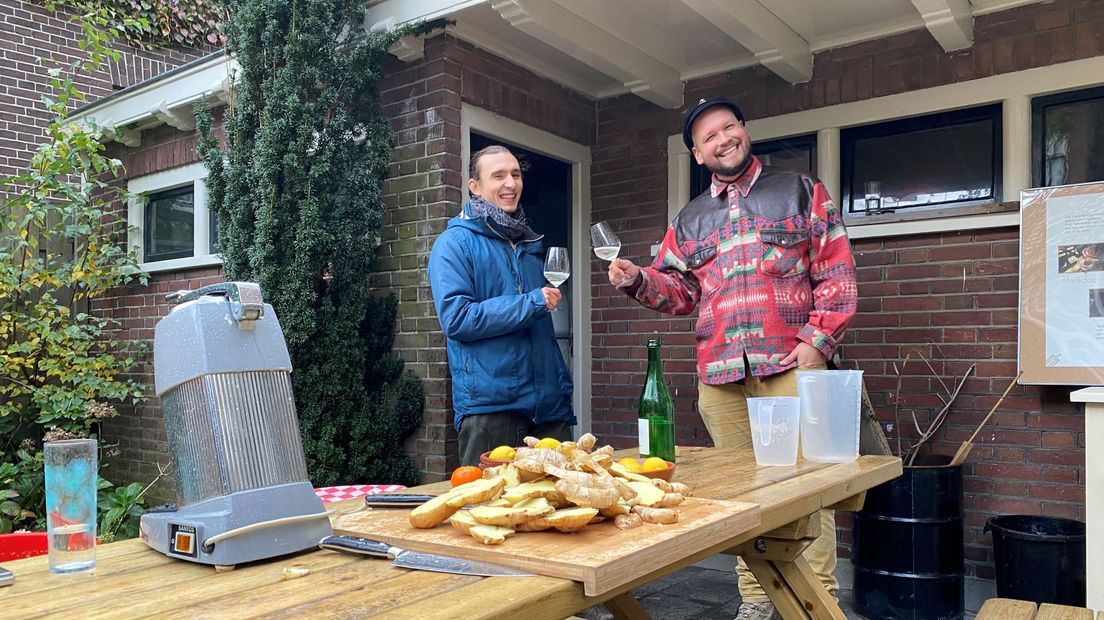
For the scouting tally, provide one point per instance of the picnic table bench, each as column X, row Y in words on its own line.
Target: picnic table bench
column 1012, row 609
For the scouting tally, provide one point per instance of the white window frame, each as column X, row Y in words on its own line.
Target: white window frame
column 193, row 175
column 1013, row 90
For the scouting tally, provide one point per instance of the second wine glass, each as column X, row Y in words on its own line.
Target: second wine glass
column 604, row 241
column 556, row 266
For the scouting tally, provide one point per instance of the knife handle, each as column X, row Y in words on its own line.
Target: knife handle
column 363, row 546
column 396, row 500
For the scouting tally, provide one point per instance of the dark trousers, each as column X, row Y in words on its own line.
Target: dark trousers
column 486, row 431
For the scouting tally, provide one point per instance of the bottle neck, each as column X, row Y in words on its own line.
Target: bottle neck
column 655, row 367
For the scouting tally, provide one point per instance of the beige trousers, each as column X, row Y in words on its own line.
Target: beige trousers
column 724, row 410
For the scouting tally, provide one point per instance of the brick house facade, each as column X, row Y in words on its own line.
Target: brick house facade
column 951, row 294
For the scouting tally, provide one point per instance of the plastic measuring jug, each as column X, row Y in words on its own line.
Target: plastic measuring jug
column 830, row 402
column 774, row 429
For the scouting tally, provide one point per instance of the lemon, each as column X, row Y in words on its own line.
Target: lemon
column 548, row 442
column 653, row 463
column 503, row 453
column 630, row 464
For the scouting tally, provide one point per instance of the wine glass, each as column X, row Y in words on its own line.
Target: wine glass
column 605, row 243
column 556, row 266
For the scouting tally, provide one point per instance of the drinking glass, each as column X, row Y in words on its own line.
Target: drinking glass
column 605, row 243
column 71, row 469
column 556, row 266
column 873, row 196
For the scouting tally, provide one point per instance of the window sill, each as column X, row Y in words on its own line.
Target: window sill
column 178, row 264
column 919, row 221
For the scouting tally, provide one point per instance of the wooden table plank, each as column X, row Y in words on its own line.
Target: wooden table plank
column 1006, row 609
column 1050, row 611
column 493, row 598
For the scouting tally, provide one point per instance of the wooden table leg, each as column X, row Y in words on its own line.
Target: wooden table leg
column 624, row 606
column 806, row 585
column 778, row 591
column 776, row 561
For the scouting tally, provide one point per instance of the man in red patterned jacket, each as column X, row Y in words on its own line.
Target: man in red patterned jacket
column 764, row 258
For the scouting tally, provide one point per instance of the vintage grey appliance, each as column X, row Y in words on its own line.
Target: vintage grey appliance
column 223, row 374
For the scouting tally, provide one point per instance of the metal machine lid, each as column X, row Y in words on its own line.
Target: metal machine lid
column 216, row 332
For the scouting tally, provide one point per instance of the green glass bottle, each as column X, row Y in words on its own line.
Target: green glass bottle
column 656, row 414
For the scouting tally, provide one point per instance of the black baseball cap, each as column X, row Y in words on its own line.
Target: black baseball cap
column 696, row 111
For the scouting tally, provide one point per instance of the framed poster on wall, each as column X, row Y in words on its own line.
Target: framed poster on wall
column 1061, row 335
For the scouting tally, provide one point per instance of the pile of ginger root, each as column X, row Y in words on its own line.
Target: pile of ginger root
column 563, row 489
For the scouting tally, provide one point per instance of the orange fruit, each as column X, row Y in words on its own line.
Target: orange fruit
column 465, row 474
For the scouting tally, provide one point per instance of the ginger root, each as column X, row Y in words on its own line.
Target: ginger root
column 670, row 499
column 627, row 521
column 533, row 460
column 656, row 515
column 680, row 488
column 583, row 489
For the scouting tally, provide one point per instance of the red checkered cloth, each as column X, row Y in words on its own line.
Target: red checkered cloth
column 350, row 491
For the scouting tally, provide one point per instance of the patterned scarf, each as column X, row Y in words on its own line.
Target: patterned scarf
column 512, row 225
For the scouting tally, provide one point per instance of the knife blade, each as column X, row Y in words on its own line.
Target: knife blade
column 396, row 500
column 417, row 560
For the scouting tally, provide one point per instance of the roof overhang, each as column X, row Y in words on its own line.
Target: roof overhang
column 601, row 49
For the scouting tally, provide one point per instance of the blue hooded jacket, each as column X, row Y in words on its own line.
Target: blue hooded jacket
column 501, row 345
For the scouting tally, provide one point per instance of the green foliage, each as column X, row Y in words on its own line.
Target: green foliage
column 120, row 509
column 297, row 193
column 22, row 490
column 60, row 367
column 152, row 23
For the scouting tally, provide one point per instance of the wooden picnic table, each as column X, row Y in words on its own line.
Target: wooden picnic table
column 130, row 580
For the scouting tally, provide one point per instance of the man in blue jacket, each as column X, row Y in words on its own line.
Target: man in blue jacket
column 486, row 270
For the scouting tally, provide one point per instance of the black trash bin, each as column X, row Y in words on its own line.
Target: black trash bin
column 1039, row 559
column 907, row 552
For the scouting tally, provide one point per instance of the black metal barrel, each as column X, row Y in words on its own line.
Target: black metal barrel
column 908, row 547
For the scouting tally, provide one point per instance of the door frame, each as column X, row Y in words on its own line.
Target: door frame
column 577, row 155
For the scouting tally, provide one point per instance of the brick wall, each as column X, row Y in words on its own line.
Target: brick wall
column 952, row 297
column 139, row 432
column 28, row 31
column 425, row 189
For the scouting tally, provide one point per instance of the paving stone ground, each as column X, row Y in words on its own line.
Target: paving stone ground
column 704, row 591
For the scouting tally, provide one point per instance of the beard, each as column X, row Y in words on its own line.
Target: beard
column 730, row 171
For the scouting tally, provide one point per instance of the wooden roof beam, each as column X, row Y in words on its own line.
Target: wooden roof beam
column 951, row 22
column 753, row 26
column 588, row 42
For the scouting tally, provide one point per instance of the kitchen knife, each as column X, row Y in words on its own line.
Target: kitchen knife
column 396, row 500
column 416, row 560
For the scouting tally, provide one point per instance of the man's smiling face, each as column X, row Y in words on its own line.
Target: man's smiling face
column 721, row 143
column 498, row 182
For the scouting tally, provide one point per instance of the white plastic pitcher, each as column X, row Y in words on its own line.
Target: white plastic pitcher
column 830, row 404
column 774, row 429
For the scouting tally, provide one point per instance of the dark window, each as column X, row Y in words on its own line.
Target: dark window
column 945, row 159
column 213, row 231
column 797, row 154
column 169, row 225
column 1068, row 138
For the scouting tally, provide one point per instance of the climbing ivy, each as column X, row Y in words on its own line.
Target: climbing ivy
column 154, row 23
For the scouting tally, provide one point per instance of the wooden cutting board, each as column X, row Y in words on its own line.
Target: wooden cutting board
column 600, row 556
